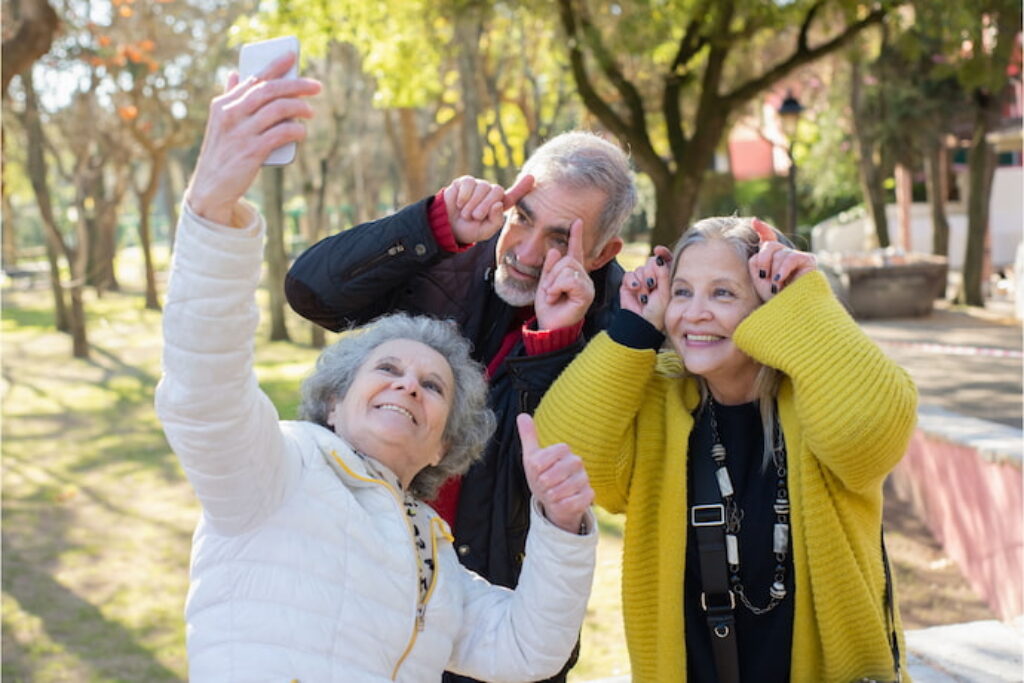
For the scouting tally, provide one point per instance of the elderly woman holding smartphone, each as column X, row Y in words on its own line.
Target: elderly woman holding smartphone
column 315, row 558
column 749, row 460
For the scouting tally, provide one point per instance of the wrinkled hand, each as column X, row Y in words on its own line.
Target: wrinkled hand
column 556, row 478
column 647, row 290
column 476, row 207
column 775, row 265
column 565, row 290
column 251, row 119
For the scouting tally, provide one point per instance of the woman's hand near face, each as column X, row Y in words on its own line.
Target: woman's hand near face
column 556, row 478
column 252, row 118
column 646, row 291
column 775, row 265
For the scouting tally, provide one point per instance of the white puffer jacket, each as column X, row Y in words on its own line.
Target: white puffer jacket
column 304, row 571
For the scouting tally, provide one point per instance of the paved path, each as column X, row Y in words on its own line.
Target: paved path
column 967, row 362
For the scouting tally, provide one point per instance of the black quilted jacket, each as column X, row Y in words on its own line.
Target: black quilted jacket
column 394, row 264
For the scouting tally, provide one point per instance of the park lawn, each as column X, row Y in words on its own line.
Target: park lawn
column 98, row 517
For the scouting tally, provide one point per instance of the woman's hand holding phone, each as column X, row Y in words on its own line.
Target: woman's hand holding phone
column 254, row 117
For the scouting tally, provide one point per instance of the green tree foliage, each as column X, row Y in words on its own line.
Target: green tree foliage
column 668, row 76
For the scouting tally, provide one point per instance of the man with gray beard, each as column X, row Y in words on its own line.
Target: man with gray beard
column 528, row 274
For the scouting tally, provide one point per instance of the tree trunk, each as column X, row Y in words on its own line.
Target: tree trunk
column 904, row 200
column 869, row 171
column 675, row 202
column 934, row 172
column 467, row 35
column 415, row 168
column 171, row 194
column 62, row 319
column 27, row 38
column 276, row 258
column 36, row 163
column 9, row 257
column 157, row 163
column 317, row 229
column 981, row 166
column 102, row 249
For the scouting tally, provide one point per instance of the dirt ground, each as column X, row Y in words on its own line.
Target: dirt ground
column 931, row 589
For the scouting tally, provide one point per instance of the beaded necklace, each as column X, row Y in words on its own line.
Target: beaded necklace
column 734, row 517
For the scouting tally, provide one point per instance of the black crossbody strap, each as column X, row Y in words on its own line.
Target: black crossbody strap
column 894, row 640
column 707, row 516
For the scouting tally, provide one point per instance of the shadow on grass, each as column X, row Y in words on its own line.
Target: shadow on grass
column 25, row 318
column 107, row 647
column 45, row 495
column 119, row 368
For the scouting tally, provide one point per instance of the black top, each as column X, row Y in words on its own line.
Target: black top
column 764, row 641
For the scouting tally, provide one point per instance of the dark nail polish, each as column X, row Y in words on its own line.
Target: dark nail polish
column 761, row 274
column 660, row 261
column 775, row 289
column 777, row 276
column 643, row 298
column 650, row 282
column 636, row 283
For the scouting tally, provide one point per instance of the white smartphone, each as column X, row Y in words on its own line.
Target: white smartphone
column 254, row 58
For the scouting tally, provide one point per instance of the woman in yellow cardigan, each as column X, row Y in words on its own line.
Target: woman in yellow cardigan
column 766, row 433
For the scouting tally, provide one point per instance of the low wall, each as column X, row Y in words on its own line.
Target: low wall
column 963, row 476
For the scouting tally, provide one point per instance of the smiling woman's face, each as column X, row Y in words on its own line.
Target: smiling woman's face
column 397, row 406
column 711, row 295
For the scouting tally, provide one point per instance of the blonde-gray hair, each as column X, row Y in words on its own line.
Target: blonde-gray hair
column 470, row 422
column 738, row 232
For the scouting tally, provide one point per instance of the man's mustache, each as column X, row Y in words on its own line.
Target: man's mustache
column 510, row 259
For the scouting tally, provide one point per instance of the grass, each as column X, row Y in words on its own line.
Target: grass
column 98, row 517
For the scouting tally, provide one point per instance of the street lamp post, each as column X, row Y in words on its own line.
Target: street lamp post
column 789, row 116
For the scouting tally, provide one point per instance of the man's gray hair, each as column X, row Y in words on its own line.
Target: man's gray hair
column 470, row 421
column 582, row 160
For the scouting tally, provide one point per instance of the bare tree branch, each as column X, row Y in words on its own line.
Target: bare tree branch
column 802, row 54
column 636, row 134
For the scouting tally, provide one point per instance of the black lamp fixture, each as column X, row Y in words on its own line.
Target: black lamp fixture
column 789, row 113
column 789, row 116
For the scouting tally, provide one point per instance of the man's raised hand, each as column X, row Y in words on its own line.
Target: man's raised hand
column 475, row 207
column 565, row 290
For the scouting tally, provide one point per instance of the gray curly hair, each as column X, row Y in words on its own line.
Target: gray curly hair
column 738, row 232
column 470, row 421
column 584, row 160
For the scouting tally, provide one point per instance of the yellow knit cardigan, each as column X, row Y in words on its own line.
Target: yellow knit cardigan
column 847, row 413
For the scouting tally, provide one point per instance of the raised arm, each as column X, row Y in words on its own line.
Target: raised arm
column 857, row 407
column 222, row 427
column 529, row 633
column 361, row 273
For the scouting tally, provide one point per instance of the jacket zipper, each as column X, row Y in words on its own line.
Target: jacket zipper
column 394, row 250
column 421, row 606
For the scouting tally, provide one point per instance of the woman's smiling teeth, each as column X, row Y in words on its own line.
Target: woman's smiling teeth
column 397, row 409
column 703, row 337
